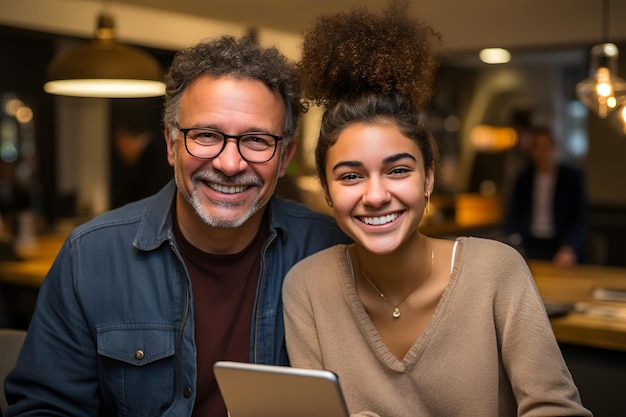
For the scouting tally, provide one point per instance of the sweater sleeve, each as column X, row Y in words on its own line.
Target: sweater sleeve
column 531, row 357
column 300, row 330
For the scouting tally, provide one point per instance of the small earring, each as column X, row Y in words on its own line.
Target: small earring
column 428, row 203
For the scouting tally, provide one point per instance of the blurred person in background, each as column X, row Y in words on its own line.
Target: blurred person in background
column 547, row 212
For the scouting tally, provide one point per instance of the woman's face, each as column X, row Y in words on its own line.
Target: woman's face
column 377, row 185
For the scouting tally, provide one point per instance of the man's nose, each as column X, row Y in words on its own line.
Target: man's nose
column 229, row 161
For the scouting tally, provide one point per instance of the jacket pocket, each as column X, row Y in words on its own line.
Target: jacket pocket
column 136, row 344
column 137, row 367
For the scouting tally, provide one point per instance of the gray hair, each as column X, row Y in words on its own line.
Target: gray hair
column 243, row 58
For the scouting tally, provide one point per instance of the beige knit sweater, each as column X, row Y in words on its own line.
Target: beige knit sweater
column 487, row 351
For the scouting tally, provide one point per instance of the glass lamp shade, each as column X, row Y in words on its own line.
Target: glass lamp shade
column 104, row 68
column 603, row 90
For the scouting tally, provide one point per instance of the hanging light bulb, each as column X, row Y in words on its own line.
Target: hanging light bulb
column 104, row 68
column 603, row 89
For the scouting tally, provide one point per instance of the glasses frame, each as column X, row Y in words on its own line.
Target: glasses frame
column 226, row 137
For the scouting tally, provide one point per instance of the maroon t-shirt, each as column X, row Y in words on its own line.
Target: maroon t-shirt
column 223, row 288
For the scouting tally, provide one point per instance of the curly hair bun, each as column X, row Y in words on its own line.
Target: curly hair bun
column 347, row 54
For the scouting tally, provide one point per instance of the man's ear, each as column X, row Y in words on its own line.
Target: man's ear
column 286, row 157
column 170, row 146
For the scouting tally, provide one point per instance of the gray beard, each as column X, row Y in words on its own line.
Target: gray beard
column 194, row 201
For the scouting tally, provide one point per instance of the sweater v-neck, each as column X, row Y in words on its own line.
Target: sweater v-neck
column 367, row 327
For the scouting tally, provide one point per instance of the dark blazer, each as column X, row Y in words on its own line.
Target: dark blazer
column 570, row 206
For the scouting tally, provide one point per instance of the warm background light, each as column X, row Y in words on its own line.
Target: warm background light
column 493, row 139
column 495, row 56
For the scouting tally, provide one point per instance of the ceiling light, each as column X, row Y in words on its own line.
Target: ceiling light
column 603, row 90
column 495, row 56
column 104, row 68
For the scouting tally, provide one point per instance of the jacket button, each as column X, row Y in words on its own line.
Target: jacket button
column 139, row 355
column 187, row 392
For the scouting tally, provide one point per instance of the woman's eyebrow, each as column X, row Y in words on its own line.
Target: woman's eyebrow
column 351, row 164
column 396, row 157
column 387, row 160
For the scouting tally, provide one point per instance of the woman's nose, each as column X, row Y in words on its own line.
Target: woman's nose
column 376, row 193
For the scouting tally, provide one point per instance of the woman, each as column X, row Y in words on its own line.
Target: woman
column 413, row 326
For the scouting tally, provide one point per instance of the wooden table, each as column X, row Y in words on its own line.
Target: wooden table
column 35, row 263
column 593, row 323
column 567, row 285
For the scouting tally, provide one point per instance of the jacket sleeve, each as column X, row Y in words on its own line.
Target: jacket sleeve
column 579, row 209
column 514, row 207
column 56, row 373
column 538, row 374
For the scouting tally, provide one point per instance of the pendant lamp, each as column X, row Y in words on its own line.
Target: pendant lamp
column 603, row 90
column 104, row 68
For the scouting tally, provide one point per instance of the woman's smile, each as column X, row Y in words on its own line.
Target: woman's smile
column 379, row 220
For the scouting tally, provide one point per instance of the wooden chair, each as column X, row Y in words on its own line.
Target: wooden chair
column 10, row 344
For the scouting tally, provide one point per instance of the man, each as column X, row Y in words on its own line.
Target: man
column 141, row 301
column 548, row 209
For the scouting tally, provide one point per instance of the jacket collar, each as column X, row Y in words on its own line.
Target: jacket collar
column 156, row 223
column 275, row 208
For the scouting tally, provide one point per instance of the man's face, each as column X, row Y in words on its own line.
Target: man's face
column 227, row 191
column 543, row 152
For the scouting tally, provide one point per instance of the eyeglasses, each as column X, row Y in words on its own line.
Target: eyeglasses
column 206, row 143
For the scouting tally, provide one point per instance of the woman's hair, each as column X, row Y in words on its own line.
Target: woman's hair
column 374, row 108
column 370, row 68
column 241, row 58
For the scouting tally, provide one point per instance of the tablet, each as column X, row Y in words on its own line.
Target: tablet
column 252, row 390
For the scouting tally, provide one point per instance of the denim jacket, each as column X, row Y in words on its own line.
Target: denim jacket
column 113, row 332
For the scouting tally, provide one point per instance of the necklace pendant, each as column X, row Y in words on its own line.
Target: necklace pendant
column 396, row 313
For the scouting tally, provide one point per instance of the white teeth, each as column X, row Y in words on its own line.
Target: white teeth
column 228, row 190
column 380, row 220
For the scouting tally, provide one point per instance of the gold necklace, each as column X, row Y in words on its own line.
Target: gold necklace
column 396, row 307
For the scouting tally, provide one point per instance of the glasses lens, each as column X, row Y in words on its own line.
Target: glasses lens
column 203, row 143
column 257, row 147
column 208, row 143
